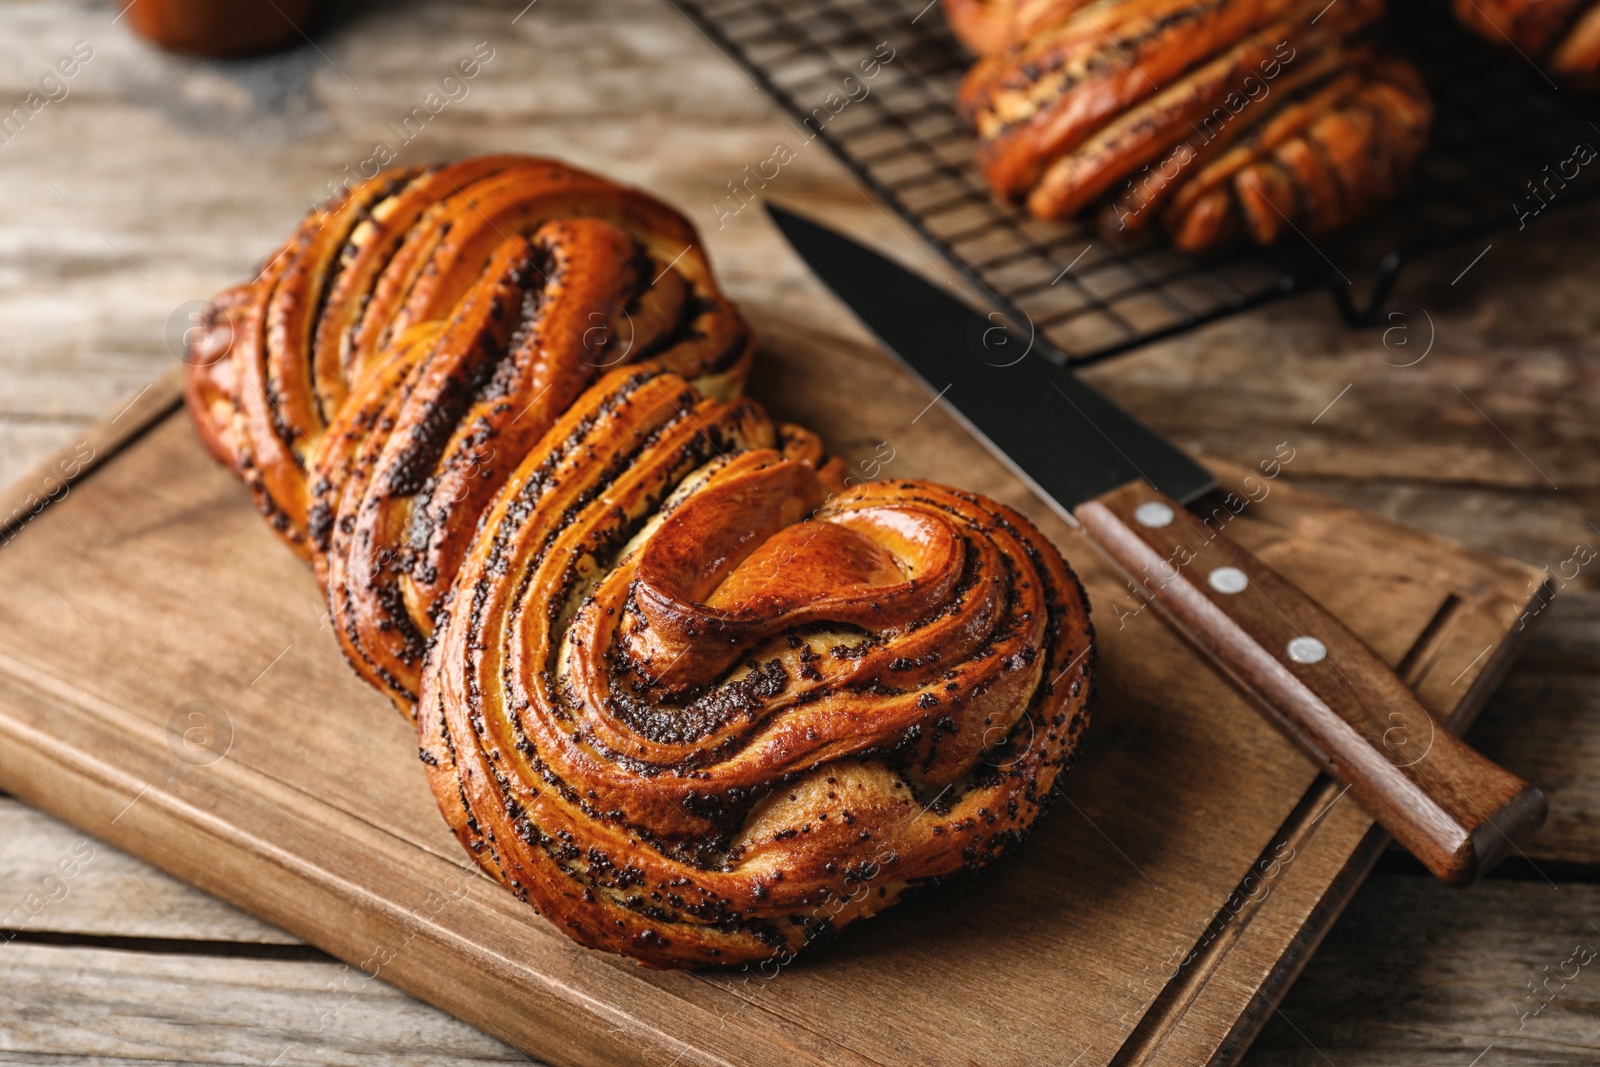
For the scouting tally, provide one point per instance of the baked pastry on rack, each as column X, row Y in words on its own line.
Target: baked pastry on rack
column 677, row 685
column 1221, row 118
column 1563, row 36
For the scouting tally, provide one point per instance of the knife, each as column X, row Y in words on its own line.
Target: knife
column 1126, row 487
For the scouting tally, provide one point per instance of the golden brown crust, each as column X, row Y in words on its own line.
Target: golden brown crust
column 698, row 706
column 1328, row 162
column 1042, row 100
column 1535, row 26
column 1191, row 173
column 1563, row 36
column 1137, row 103
column 1576, row 60
column 680, row 688
column 990, row 26
column 399, row 356
column 982, row 25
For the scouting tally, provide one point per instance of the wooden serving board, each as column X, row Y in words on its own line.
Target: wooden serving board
column 1191, row 863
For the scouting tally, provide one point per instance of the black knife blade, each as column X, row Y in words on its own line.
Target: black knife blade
column 1125, row 487
column 1064, row 437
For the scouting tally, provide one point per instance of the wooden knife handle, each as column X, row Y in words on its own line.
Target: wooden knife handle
column 1456, row 811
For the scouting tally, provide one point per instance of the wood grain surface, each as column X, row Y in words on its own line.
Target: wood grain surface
column 168, row 684
column 159, row 180
column 1449, row 806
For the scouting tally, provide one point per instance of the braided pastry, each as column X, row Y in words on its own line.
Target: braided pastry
column 698, row 703
column 677, row 684
column 1562, row 35
column 404, row 350
column 1222, row 118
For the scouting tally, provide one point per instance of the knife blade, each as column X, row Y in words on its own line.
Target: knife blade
column 1125, row 486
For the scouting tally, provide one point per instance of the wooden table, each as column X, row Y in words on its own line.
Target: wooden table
column 157, row 180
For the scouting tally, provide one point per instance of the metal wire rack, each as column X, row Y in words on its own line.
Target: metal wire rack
column 875, row 81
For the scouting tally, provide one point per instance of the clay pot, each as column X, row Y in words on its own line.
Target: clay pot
column 219, row 28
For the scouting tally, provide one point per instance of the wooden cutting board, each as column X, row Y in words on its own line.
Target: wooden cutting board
column 168, row 683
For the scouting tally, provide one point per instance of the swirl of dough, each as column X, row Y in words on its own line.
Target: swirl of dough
column 394, row 362
column 698, row 702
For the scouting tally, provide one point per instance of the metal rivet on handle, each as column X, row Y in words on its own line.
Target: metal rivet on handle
column 1228, row 580
column 1307, row 650
column 1153, row 514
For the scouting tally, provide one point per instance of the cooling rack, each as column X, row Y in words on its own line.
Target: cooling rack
column 875, row 81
